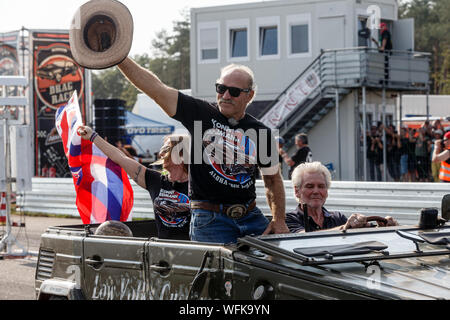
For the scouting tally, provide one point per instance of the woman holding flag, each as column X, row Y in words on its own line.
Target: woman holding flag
column 169, row 192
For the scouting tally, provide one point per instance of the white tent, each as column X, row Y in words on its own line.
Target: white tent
column 148, row 108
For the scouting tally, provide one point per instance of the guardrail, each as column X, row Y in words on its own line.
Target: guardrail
column 402, row 201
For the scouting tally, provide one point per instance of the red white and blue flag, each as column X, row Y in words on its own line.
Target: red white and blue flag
column 102, row 187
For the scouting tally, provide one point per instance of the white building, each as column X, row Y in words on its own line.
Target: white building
column 283, row 41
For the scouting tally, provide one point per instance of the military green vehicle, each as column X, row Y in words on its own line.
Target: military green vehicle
column 402, row 262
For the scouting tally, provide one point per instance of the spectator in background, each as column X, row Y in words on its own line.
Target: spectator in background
column 412, row 165
column 404, row 141
column 437, row 125
column 374, row 153
column 443, row 157
column 302, row 155
column 436, row 166
column 428, row 129
column 422, row 151
column 393, row 146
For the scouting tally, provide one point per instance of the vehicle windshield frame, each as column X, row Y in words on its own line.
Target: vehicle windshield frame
column 272, row 245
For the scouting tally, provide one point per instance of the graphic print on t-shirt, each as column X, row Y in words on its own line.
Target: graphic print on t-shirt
column 172, row 207
column 231, row 154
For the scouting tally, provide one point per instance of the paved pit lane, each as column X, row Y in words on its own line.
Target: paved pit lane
column 17, row 274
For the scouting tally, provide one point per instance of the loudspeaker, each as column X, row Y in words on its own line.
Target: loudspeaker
column 109, row 119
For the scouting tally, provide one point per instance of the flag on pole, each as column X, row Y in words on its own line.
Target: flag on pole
column 102, row 187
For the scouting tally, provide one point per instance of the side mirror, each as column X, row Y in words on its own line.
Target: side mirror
column 445, row 207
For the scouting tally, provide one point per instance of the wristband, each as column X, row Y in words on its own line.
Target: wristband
column 93, row 136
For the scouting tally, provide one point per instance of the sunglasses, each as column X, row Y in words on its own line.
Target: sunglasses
column 234, row 92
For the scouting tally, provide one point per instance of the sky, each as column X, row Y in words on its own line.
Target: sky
column 149, row 16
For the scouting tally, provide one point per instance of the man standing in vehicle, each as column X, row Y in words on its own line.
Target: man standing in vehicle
column 224, row 158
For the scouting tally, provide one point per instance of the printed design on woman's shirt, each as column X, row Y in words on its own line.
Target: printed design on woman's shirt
column 231, row 153
column 172, row 207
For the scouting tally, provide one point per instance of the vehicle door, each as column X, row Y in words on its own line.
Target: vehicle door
column 114, row 268
column 173, row 266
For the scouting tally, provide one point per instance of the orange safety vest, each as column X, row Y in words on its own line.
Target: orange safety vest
column 444, row 172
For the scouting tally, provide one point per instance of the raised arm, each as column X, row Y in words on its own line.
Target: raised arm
column 146, row 81
column 439, row 156
column 133, row 168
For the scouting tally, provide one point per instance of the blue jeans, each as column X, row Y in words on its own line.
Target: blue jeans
column 215, row 227
column 403, row 164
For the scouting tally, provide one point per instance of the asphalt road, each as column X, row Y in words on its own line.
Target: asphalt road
column 17, row 275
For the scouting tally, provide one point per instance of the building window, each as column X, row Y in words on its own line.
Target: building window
column 268, row 40
column 238, row 43
column 268, row 30
column 299, row 36
column 208, row 42
column 237, row 39
column 299, row 39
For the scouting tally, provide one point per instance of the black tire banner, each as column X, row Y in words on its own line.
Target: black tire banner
column 55, row 77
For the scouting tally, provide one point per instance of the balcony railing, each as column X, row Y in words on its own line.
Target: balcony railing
column 357, row 67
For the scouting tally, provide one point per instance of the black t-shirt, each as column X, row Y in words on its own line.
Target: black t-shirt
column 404, row 142
column 248, row 144
column 302, row 155
column 387, row 35
column 295, row 222
column 170, row 204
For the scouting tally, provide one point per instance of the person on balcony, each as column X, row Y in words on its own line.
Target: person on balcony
column 385, row 45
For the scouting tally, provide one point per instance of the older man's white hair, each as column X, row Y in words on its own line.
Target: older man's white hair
column 310, row 167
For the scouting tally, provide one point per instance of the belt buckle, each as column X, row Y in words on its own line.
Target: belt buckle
column 236, row 211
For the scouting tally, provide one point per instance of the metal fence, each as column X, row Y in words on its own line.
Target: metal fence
column 403, row 201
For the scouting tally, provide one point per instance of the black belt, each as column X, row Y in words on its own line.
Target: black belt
column 234, row 211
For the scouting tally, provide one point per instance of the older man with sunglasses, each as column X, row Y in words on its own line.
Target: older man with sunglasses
column 228, row 147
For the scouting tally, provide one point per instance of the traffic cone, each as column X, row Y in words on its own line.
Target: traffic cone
column 2, row 207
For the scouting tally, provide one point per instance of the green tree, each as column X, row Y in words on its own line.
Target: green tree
column 170, row 61
column 111, row 84
column 171, row 54
column 432, row 29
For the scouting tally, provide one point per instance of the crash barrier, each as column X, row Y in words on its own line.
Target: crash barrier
column 402, row 201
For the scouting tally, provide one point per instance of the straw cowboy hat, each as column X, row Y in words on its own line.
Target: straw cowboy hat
column 101, row 34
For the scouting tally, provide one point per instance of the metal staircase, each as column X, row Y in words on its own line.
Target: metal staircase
column 333, row 75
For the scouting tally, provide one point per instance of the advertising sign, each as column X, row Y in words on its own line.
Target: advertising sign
column 55, row 77
column 292, row 98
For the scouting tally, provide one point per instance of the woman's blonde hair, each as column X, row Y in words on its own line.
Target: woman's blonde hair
column 176, row 147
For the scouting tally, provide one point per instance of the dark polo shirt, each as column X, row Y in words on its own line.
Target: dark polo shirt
column 295, row 223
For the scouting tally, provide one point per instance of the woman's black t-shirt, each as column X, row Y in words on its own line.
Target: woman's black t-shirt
column 170, row 205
